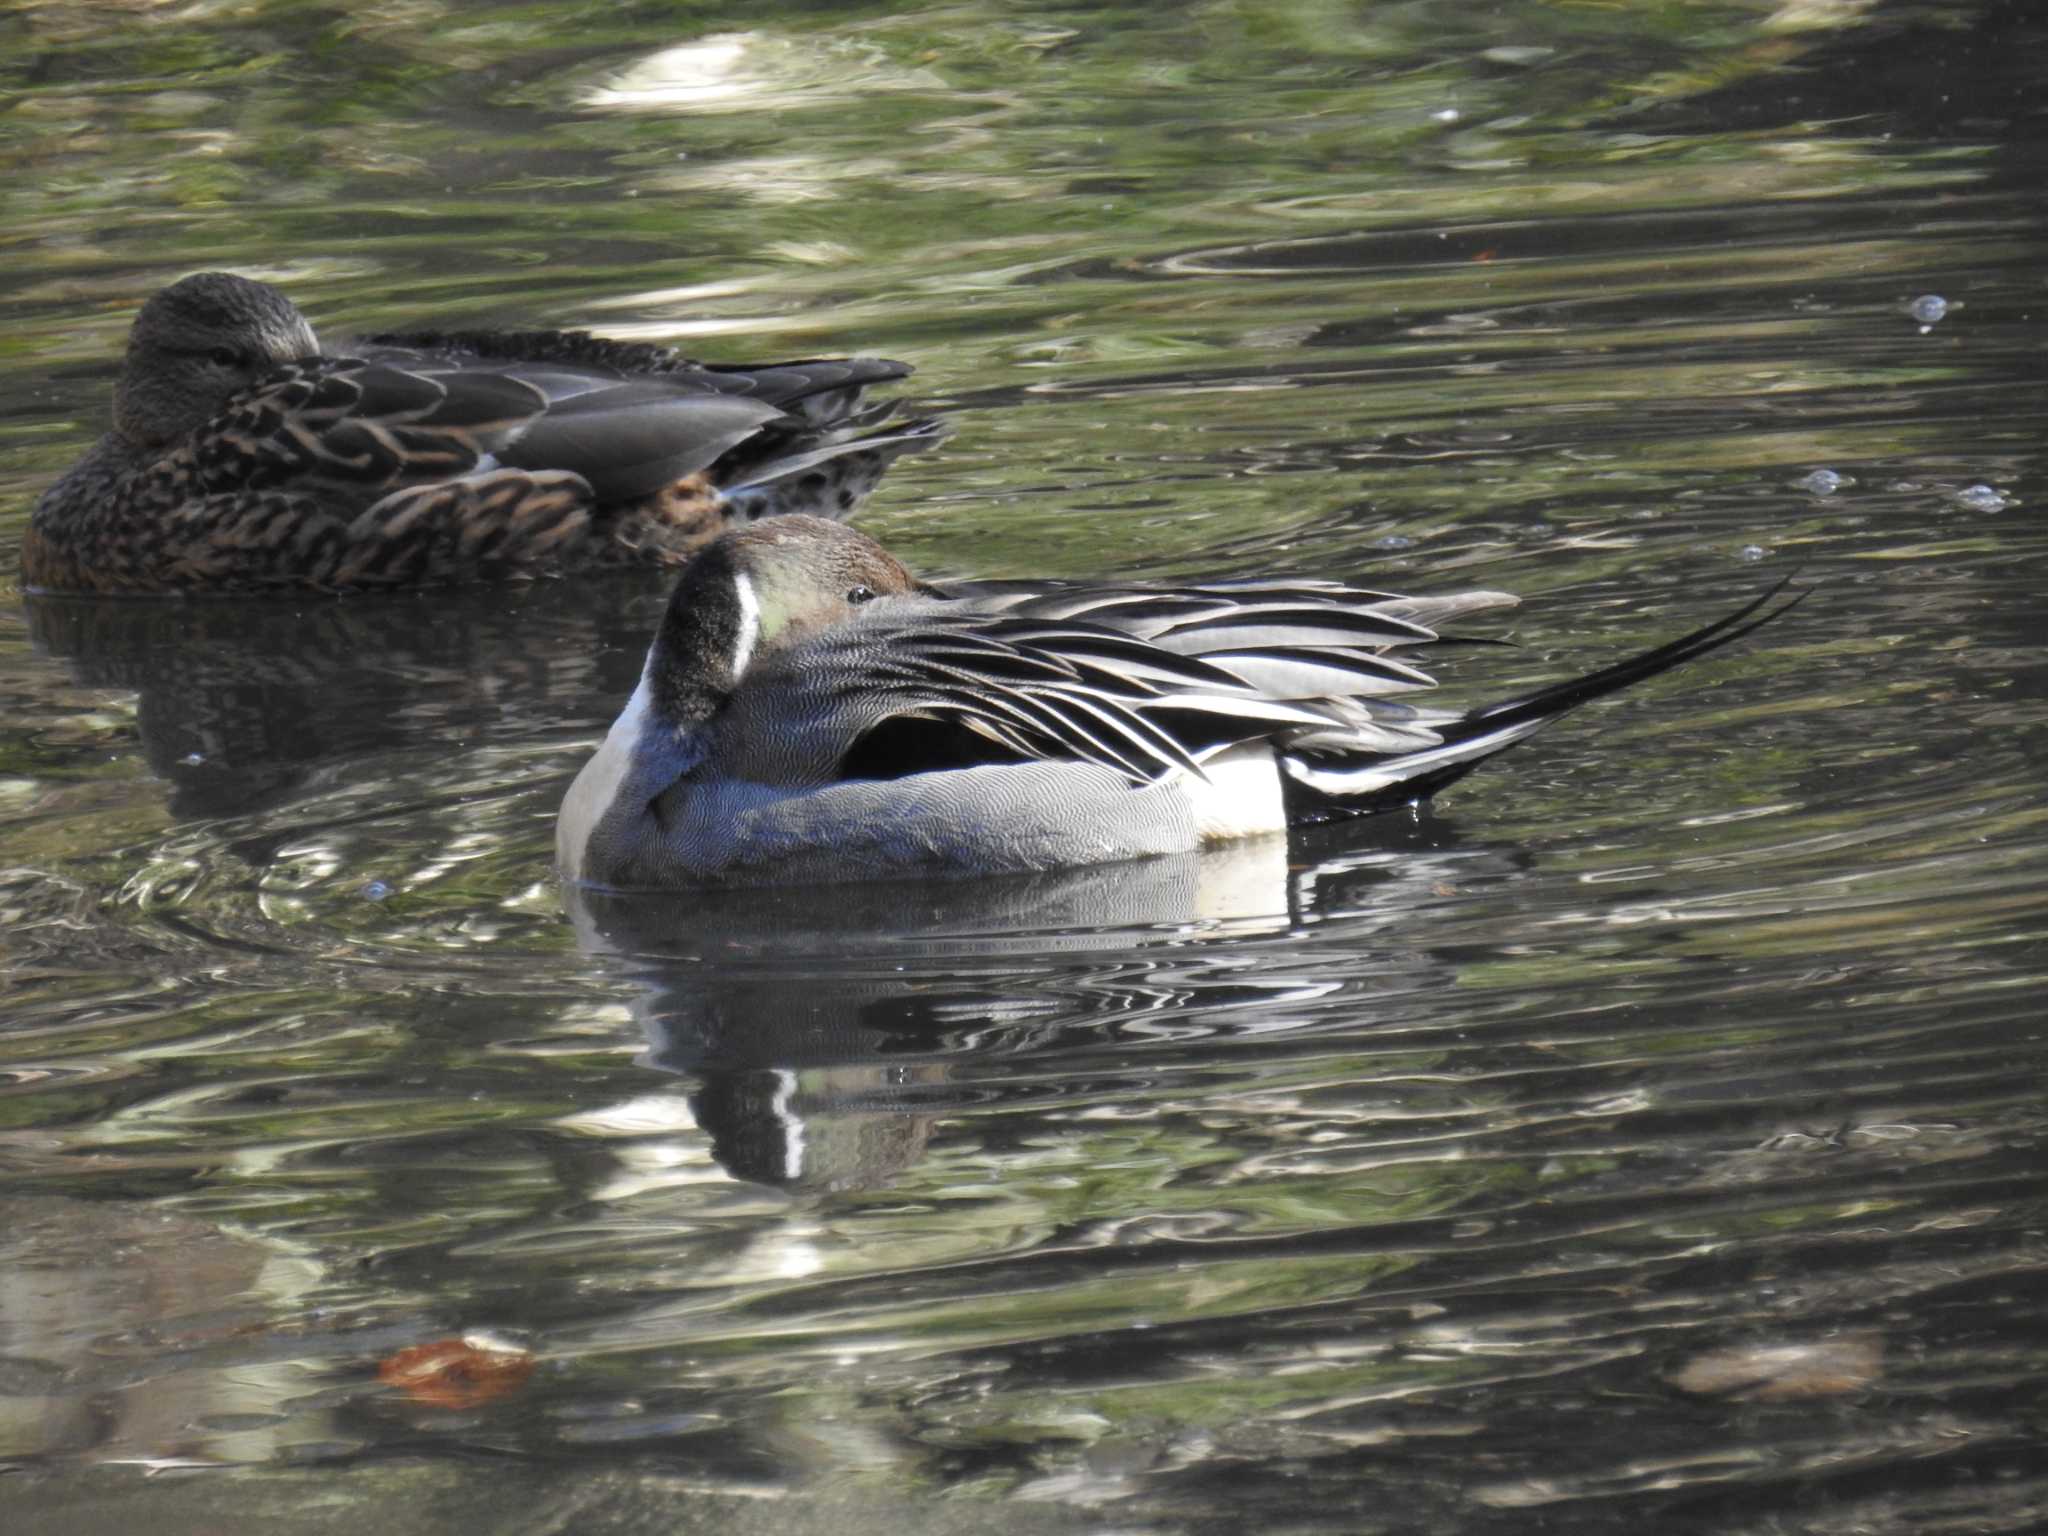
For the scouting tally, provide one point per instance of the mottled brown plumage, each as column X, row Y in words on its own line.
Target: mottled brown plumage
column 243, row 459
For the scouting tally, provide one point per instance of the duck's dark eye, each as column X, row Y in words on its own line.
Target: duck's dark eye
column 228, row 357
column 859, row 595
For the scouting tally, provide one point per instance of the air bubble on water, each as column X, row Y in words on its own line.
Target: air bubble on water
column 1928, row 310
column 376, row 890
column 1394, row 541
column 1823, row 482
column 1446, row 114
column 1981, row 498
column 1753, row 552
column 193, row 759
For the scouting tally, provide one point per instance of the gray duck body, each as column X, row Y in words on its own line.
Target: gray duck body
column 811, row 712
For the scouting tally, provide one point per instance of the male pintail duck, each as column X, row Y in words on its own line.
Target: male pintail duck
column 242, row 459
column 811, row 711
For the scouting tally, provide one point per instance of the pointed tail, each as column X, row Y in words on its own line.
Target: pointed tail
column 1323, row 783
column 826, row 474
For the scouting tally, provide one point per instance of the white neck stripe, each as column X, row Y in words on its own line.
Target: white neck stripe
column 750, row 623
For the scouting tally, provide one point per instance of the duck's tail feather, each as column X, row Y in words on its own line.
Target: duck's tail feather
column 1322, row 780
column 823, row 391
column 825, row 474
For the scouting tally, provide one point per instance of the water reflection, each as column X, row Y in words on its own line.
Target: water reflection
column 239, row 704
column 139, row 1337
column 823, row 1027
column 748, row 71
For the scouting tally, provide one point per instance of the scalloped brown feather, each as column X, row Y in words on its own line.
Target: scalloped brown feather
column 444, row 458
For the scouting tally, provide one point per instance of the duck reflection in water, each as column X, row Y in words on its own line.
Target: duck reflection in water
column 243, row 706
column 829, row 1031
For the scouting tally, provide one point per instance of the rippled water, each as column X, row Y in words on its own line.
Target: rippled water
column 1649, row 1134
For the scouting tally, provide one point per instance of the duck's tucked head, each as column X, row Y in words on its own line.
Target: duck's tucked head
column 195, row 344
column 759, row 590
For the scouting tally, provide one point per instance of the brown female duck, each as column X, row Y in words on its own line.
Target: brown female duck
column 243, row 459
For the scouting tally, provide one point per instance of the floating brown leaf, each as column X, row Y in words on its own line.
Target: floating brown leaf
column 457, row 1373
column 1776, row 1373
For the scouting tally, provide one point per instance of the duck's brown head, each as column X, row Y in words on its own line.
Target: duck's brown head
column 197, row 343
column 759, row 590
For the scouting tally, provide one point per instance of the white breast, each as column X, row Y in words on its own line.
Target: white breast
column 597, row 786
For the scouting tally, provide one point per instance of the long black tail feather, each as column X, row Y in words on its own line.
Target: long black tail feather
column 1510, row 720
column 1559, row 697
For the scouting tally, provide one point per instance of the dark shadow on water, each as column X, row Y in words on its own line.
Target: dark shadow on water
column 241, row 702
column 1962, row 72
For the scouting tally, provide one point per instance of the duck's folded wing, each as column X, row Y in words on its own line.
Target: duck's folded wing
column 1287, row 639
column 628, row 435
column 948, row 686
column 823, row 391
column 370, row 427
column 635, row 436
column 825, row 388
column 1197, row 619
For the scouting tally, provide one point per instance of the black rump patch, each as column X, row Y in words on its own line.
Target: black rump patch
column 904, row 745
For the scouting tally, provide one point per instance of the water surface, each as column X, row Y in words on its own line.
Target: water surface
column 1648, row 1134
